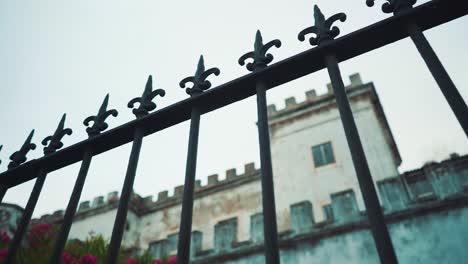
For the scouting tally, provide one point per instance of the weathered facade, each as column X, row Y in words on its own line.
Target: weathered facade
column 321, row 217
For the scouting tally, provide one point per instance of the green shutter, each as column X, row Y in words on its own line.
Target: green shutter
column 323, row 154
column 328, row 151
column 318, row 158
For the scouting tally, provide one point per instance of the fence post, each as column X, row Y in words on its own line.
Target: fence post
column 51, row 143
column 146, row 105
column 446, row 85
column 260, row 61
column 324, row 33
column 200, row 84
column 99, row 125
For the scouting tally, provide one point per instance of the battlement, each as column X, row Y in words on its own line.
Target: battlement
column 448, row 181
column 435, row 186
column 311, row 97
column 141, row 205
column 214, row 184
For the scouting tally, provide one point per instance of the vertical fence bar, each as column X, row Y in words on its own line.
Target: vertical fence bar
column 268, row 192
column 183, row 248
column 3, row 191
column 200, row 84
column 260, row 61
column 366, row 184
column 26, row 218
column 18, row 157
column 121, row 217
column 324, row 33
column 71, row 208
column 51, row 143
column 98, row 126
column 146, row 105
column 446, row 85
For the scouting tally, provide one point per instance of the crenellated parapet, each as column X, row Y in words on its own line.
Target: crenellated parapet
column 142, row 205
column 214, row 184
column 434, row 187
column 311, row 97
column 447, row 180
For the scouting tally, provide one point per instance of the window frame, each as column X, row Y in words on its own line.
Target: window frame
column 323, row 157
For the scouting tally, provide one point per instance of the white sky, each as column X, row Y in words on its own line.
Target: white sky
column 64, row 56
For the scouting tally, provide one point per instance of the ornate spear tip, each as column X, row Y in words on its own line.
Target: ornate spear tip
column 318, row 15
column 258, row 36
column 62, row 122
column 104, row 104
column 31, row 134
column 258, row 41
column 148, row 87
column 200, row 67
column 149, row 83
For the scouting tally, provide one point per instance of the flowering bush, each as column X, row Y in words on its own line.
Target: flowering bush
column 40, row 240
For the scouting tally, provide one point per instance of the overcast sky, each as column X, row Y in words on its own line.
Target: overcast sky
column 64, row 56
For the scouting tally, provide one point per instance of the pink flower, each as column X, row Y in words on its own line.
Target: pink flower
column 41, row 228
column 172, row 260
column 38, row 233
column 67, row 258
column 3, row 253
column 130, row 261
column 88, row 259
column 4, row 237
column 156, row 261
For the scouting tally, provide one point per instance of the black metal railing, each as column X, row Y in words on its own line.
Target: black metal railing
column 407, row 21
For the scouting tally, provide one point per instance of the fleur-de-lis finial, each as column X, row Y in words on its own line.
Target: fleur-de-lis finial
column 145, row 101
column 259, row 55
column 323, row 28
column 199, row 81
column 394, row 6
column 52, row 143
column 99, row 123
column 20, row 156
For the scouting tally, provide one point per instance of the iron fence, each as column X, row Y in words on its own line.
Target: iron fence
column 407, row 21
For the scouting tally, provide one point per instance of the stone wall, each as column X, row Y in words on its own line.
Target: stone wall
column 301, row 125
column 425, row 222
column 10, row 215
column 423, row 230
column 237, row 196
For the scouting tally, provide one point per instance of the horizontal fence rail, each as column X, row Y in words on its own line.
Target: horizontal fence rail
column 377, row 35
column 405, row 22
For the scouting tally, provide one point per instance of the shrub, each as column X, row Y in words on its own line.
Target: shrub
column 40, row 241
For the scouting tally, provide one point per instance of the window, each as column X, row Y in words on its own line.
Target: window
column 323, row 154
column 327, row 209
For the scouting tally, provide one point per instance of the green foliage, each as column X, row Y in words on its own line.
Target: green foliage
column 39, row 241
column 94, row 245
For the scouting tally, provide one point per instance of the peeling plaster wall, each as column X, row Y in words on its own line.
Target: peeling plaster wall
column 102, row 224
column 98, row 224
column 241, row 202
column 296, row 178
column 10, row 216
column 436, row 238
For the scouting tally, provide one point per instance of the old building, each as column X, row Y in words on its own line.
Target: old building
column 321, row 215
